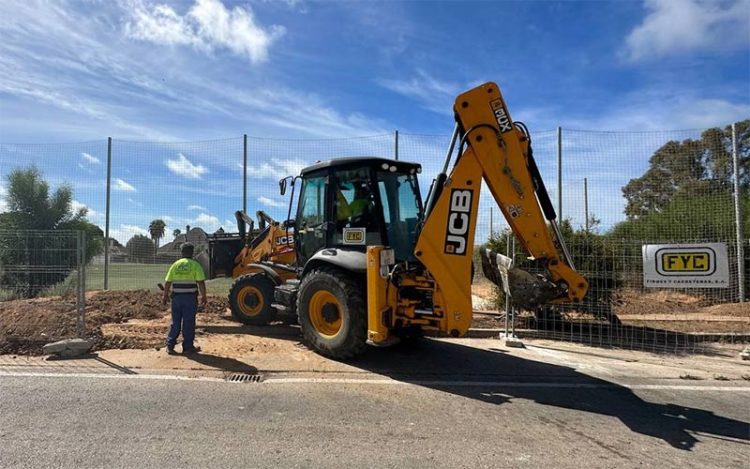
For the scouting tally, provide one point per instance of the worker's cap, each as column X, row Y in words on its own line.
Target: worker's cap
column 187, row 249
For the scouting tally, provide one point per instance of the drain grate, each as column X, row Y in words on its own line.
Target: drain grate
column 244, row 378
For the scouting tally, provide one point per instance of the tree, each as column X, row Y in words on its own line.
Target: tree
column 695, row 167
column 176, row 232
column 686, row 196
column 140, row 248
column 31, row 209
column 156, row 229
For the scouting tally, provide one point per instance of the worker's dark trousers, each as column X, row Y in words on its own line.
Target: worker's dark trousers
column 184, row 307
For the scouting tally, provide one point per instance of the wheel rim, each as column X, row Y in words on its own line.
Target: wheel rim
column 250, row 301
column 325, row 313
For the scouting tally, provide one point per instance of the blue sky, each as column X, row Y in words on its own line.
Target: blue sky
column 200, row 70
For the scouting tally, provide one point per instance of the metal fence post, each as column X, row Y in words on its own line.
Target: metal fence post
column 492, row 225
column 512, row 309
column 244, row 173
column 586, row 201
column 395, row 149
column 79, row 282
column 82, row 304
column 559, row 175
column 507, row 298
column 106, row 216
column 738, row 218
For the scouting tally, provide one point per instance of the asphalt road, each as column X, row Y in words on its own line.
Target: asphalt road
column 529, row 421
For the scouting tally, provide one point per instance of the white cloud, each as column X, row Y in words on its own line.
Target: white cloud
column 230, row 226
column 3, row 203
column 76, row 206
column 664, row 109
column 276, row 169
column 270, row 202
column 207, row 222
column 206, row 26
column 678, row 26
column 433, row 94
column 197, row 207
column 121, row 185
column 206, row 219
column 90, row 158
column 134, row 202
column 124, row 232
column 185, row 168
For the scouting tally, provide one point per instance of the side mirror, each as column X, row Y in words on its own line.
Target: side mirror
column 282, row 186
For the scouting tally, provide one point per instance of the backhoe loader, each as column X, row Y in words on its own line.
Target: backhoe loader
column 269, row 249
column 373, row 262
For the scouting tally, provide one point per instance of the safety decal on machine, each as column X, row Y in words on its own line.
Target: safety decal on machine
column 501, row 115
column 457, row 231
column 354, row 236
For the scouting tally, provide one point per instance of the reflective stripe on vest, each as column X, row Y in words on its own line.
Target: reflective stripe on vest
column 185, row 287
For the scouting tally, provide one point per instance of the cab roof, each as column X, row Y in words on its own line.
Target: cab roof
column 401, row 166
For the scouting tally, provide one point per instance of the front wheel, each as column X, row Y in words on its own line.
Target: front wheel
column 250, row 299
column 332, row 314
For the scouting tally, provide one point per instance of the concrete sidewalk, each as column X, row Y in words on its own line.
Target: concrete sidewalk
column 457, row 359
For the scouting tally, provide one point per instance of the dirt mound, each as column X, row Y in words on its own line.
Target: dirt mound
column 664, row 302
column 658, row 302
column 25, row 325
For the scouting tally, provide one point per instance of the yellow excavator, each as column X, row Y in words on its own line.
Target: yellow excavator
column 373, row 262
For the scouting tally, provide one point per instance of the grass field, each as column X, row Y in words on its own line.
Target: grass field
column 125, row 276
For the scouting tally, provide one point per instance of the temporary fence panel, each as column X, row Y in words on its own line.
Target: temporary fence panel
column 42, row 286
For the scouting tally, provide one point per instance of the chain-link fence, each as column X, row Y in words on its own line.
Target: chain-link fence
column 42, row 287
column 614, row 192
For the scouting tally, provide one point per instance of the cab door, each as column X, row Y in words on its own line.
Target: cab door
column 311, row 233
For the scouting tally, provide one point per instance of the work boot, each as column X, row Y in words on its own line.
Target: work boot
column 189, row 350
column 170, row 350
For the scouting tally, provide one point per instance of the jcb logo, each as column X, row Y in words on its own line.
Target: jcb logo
column 284, row 240
column 501, row 115
column 457, row 232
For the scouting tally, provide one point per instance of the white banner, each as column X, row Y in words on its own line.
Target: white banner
column 685, row 265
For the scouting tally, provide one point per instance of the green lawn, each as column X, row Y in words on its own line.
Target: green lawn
column 125, row 276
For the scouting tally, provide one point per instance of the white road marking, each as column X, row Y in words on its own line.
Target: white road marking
column 392, row 382
column 32, row 374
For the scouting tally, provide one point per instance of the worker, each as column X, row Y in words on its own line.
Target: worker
column 184, row 278
column 359, row 207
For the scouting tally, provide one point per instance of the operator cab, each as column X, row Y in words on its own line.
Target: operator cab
column 352, row 203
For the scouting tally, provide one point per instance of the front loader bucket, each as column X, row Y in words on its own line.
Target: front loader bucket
column 526, row 290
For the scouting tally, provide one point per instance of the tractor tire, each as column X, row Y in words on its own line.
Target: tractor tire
column 331, row 311
column 250, row 300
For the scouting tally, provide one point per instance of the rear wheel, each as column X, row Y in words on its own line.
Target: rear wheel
column 331, row 312
column 250, row 299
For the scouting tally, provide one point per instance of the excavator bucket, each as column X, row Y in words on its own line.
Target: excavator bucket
column 526, row 290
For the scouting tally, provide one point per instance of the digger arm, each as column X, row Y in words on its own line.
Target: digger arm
column 498, row 153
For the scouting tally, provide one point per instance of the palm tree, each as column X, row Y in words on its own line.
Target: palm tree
column 176, row 233
column 156, row 229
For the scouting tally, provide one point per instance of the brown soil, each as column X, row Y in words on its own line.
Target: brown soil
column 26, row 325
column 137, row 319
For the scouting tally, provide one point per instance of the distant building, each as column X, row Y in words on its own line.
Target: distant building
column 196, row 236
